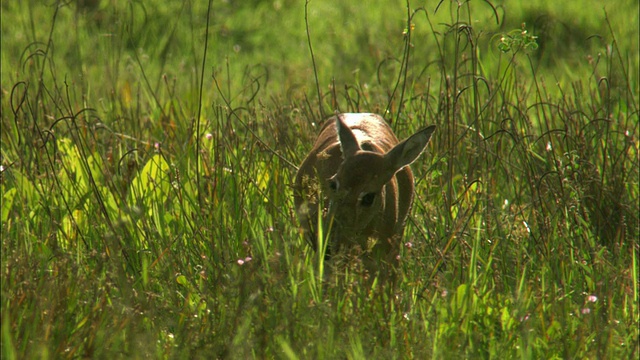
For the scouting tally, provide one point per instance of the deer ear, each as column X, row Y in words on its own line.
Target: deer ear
column 348, row 142
column 409, row 150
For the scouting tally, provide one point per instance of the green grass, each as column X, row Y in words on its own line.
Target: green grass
column 146, row 189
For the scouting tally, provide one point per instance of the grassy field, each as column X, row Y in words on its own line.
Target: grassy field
column 148, row 151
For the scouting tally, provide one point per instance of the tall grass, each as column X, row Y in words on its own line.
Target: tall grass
column 134, row 227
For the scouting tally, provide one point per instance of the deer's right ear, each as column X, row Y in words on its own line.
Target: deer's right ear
column 348, row 143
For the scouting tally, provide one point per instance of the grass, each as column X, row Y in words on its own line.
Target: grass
column 146, row 202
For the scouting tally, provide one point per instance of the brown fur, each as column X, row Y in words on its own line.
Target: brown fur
column 358, row 172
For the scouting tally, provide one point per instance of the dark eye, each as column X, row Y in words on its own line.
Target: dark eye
column 367, row 199
column 333, row 184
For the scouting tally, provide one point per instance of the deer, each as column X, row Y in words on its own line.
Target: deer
column 357, row 175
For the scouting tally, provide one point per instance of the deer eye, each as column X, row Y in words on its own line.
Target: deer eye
column 366, row 200
column 333, row 184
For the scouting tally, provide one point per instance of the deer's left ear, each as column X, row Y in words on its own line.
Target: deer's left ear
column 409, row 150
column 348, row 143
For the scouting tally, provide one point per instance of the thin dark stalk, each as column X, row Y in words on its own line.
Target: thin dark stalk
column 204, row 62
column 313, row 58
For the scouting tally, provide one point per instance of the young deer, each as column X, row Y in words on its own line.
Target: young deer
column 358, row 175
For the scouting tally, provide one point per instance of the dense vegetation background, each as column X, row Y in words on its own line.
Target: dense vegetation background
column 148, row 149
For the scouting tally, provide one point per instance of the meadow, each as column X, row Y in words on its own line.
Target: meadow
column 148, row 151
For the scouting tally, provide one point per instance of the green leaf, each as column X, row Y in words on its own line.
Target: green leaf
column 151, row 185
column 7, row 203
column 28, row 196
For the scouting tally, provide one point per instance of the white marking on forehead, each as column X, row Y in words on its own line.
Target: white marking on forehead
column 360, row 135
